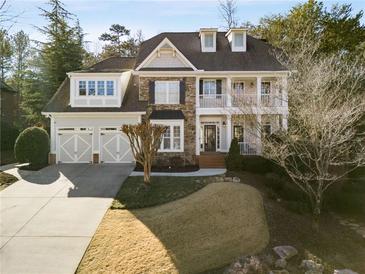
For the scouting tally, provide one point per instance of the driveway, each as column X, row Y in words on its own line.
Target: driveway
column 49, row 217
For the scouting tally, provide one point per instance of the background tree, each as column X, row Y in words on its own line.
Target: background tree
column 337, row 29
column 21, row 54
column 117, row 46
column 228, row 12
column 324, row 141
column 145, row 140
column 5, row 54
column 63, row 51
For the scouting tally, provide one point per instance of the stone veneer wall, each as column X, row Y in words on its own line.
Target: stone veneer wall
column 187, row 157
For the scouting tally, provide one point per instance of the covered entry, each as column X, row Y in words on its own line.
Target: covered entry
column 74, row 145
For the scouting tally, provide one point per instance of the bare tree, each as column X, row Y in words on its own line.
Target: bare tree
column 228, row 11
column 145, row 140
column 324, row 140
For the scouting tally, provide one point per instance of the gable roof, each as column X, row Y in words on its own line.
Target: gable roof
column 258, row 57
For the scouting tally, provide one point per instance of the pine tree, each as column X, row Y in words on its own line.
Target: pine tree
column 5, row 54
column 63, row 51
column 21, row 54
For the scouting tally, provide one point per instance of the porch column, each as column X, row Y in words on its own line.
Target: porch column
column 258, row 137
column 197, row 135
column 229, row 131
column 284, row 91
column 258, row 88
column 53, row 135
column 229, row 91
column 197, row 87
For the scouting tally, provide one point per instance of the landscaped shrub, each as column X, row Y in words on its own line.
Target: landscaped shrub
column 256, row 164
column 234, row 159
column 32, row 146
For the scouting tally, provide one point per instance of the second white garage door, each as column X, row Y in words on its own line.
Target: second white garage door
column 114, row 146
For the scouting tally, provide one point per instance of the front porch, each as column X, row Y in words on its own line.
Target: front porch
column 215, row 132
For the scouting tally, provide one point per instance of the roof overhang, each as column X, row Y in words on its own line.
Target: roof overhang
column 167, row 115
column 92, row 114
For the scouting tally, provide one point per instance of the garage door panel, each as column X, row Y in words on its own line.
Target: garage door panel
column 74, row 147
column 115, row 148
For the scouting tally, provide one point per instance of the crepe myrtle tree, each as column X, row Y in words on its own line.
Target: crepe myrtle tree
column 325, row 138
column 145, row 140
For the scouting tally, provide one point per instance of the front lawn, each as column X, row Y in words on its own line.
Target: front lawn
column 204, row 230
column 6, row 180
column 133, row 194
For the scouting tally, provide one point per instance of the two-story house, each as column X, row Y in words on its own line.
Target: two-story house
column 192, row 82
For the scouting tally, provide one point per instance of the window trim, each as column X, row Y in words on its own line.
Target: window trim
column 168, row 100
column 215, row 84
column 171, row 124
column 96, row 95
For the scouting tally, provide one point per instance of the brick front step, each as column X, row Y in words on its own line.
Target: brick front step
column 212, row 160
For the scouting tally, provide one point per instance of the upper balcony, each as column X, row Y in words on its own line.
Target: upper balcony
column 241, row 93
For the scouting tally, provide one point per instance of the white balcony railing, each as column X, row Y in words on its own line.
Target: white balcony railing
column 248, row 148
column 221, row 100
column 213, row 101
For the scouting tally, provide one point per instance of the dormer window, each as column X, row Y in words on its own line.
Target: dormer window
column 208, row 40
column 208, row 37
column 237, row 39
column 96, row 88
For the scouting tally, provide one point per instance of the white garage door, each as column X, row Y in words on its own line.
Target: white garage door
column 114, row 146
column 74, row 145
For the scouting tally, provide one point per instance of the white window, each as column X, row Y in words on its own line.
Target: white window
column 265, row 88
column 167, row 92
column 238, row 40
column 209, row 87
column 266, row 128
column 239, row 87
column 209, row 40
column 96, row 88
column 173, row 138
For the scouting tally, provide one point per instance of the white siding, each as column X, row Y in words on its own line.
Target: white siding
column 166, row 60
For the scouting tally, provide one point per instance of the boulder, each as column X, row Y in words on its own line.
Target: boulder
column 236, row 180
column 311, row 267
column 344, row 271
column 281, row 263
column 285, row 251
column 282, row 271
column 228, row 179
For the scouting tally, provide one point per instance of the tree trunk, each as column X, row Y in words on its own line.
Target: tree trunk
column 317, row 205
column 147, row 174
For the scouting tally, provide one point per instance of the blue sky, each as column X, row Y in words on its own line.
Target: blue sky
column 151, row 16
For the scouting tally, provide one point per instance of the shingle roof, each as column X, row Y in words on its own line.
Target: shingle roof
column 60, row 101
column 112, row 64
column 167, row 114
column 258, row 57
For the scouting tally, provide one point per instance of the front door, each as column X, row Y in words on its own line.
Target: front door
column 210, row 138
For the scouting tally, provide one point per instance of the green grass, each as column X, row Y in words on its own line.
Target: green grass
column 6, row 180
column 133, row 194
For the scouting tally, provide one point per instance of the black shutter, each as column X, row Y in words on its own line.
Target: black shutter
column 200, row 87
column 182, row 91
column 219, row 86
column 152, row 92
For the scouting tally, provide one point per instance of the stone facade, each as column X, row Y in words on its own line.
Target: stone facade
column 187, row 157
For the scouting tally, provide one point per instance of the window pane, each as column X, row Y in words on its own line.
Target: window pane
column 173, row 92
column 109, row 88
column 101, row 88
column 91, row 87
column 208, row 40
column 176, row 143
column 160, row 93
column 176, row 131
column 238, row 40
column 265, row 88
column 82, row 88
column 238, row 133
column 209, row 87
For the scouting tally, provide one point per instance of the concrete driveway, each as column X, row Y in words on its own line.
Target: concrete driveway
column 48, row 218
